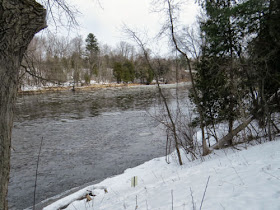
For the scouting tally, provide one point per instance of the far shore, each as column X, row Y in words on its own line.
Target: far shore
column 50, row 89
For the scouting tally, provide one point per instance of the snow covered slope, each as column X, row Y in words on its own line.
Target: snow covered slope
column 247, row 179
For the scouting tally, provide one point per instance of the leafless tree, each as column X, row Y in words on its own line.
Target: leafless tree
column 125, row 50
column 171, row 8
column 170, row 125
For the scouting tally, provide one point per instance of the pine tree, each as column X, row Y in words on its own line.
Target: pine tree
column 264, row 54
column 124, row 71
column 240, row 60
column 218, row 67
column 92, row 44
column 92, row 55
column 118, row 71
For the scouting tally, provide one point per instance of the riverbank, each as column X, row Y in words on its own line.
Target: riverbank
column 226, row 179
column 47, row 89
column 88, row 136
column 60, row 88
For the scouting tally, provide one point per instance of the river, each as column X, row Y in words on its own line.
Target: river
column 87, row 137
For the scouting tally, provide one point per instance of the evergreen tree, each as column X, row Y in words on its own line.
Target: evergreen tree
column 92, row 54
column 218, row 69
column 210, row 82
column 124, row 71
column 240, row 60
column 264, row 54
column 128, row 71
column 117, row 71
column 143, row 71
column 92, row 44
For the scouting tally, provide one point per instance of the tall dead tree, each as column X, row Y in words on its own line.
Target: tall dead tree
column 172, row 126
column 171, row 7
column 20, row 20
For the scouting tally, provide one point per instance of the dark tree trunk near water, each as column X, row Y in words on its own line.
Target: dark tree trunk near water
column 20, row 20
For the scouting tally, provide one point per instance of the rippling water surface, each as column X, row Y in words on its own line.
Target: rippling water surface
column 87, row 136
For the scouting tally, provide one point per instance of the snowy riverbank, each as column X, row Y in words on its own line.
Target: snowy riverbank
column 67, row 87
column 247, row 179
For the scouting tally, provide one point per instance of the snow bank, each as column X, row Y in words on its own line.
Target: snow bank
column 247, row 179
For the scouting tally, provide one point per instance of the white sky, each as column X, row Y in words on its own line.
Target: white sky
column 105, row 22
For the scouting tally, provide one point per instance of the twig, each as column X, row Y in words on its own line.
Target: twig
column 167, row 152
column 124, row 206
column 162, row 179
column 74, row 206
column 192, row 199
column 136, row 207
column 234, row 169
column 270, row 174
column 238, row 175
column 204, row 193
column 222, row 206
column 36, row 176
column 172, row 198
column 155, row 174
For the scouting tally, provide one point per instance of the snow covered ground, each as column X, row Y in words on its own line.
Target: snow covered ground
column 246, row 179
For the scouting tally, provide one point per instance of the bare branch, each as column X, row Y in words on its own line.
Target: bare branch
column 204, row 193
column 60, row 13
column 173, row 129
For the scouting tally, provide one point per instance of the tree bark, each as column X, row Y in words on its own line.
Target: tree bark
column 19, row 21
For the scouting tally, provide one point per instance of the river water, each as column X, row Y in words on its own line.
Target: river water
column 87, row 137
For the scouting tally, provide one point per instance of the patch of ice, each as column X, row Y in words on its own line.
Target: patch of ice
column 145, row 134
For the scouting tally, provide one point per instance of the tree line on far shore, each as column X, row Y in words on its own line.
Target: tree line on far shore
column 52, row 59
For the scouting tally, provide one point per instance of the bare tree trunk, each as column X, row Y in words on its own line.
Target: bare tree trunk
column 233, row 133
column 231, row 79
column 206, row 150
column 173, row 125
column 241, row 127
column 19, row 21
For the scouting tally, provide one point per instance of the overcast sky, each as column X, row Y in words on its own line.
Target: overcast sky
column 105, row 21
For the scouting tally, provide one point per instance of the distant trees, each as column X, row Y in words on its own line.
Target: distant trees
column 124, row 62
column 58, row 60
column 143, row 71
column 124, row 71
column 76, row 60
